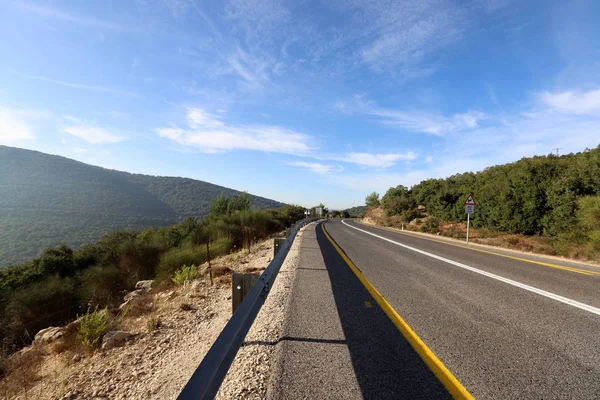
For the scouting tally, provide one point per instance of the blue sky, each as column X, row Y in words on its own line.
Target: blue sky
column 300, row 101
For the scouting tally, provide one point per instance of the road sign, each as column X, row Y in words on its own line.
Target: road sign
column 469, row 209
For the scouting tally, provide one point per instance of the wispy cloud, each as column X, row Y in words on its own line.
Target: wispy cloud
column 430, row 123
column 211, row 134
column 259, row 19
column 90, row 88
column 253, row 71
column 412, row 120
column 405, row 34
column 379, row 160
column 89, row 132
column 573, row 102
column 318, row 168
column 369, row 160
column 93, row 134
column 12, row 128
column 82, row 20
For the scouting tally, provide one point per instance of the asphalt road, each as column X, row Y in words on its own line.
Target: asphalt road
column 337, row 343
column 506, row 328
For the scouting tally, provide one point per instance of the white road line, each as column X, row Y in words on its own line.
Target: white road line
column 523, row 286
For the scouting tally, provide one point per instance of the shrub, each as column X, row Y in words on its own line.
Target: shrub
column 174, row 259
column 153, row 324
column 93, row 326
column 185, row 274
column 101, row 286
column 430, row 224
column 48, row 303
column 137, row 261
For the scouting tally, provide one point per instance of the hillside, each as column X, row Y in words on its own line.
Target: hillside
column 554, row 197
column 48, row 200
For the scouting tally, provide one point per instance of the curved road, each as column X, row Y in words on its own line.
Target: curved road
column 507, row 328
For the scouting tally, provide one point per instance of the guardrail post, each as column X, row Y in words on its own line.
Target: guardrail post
column 278, row 243
column 240, row 286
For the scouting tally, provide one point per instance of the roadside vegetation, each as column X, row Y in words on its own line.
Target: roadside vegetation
column 63, row 283
column 546, row 204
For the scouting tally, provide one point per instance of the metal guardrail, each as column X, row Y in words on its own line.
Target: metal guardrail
column 208, row 377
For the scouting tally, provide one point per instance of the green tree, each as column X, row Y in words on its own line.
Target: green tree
column 372, row 200
column 57, row 260
column 239, row 203
column 220, row 205
column 397, row 200
column 205, row 234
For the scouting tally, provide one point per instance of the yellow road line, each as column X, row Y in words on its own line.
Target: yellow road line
column 454, row 387
column 570, row 269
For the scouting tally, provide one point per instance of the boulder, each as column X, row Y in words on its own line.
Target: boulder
column 48, row 335
column 168, row 295
column 144, row 285
column 73, row 326
column 115, row 339
column 132, row 295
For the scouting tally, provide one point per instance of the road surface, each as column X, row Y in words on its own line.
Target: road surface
column 506, row 325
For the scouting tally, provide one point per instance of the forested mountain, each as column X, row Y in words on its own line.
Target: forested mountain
column 46, row 200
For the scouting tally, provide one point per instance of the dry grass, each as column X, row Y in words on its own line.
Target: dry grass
column 153, row 324
column 142, row 305
column 224, row 280
column 221, row 271
column 69, row 342
column 250, row 270
column 21, row 371
column 185, row 307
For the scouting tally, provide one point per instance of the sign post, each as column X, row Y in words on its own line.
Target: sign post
column 469, row 209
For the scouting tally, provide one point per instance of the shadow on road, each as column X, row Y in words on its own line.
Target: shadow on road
column 385, row 364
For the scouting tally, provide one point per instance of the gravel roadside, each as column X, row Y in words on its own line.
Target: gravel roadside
column 252, row 368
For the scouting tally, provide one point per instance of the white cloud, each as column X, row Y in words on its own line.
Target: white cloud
column 197, row 117
column 93, row 134
column 414, row 121
column 12, row 128
column 378, row 160
column 318, row 168
column 430, row 123
column 207, row 132
column 85, row 21
column 573, row 102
